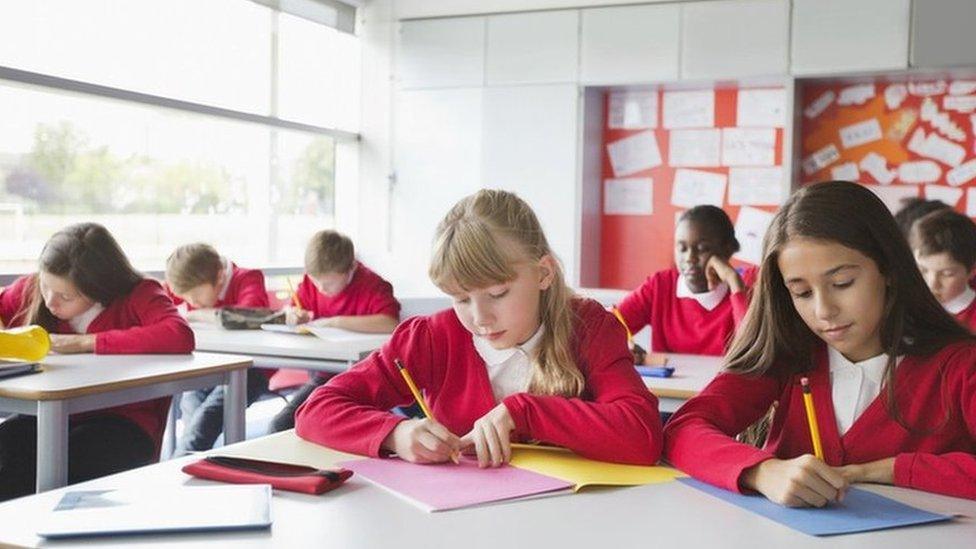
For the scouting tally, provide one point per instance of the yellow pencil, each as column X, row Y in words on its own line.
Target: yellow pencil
column 620, row 317
column 294, row 296
column 421, row 401
column 812, row 418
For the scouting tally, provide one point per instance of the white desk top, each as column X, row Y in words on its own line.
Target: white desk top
column 69, row 376
column 362, row 515
column 274, row 344
column 691, row 374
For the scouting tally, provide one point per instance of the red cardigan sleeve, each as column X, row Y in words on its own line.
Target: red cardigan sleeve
column 699, row 438
column 251, row 291
column 619, row 421
column 740, row 300
column 160, row 328
column 13, row 298
column 351, row 413
column 951, row 473
column 636, row 307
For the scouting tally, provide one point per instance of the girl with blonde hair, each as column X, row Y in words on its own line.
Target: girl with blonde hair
column 518, row 357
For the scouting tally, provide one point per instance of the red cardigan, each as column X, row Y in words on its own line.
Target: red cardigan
column 698, row 438
column 366, row 294
column 967, row 316
column 246, row 289
column 683, row 325
column 143, row 322
column 616, row 418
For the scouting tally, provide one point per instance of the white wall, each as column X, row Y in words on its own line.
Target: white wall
column 415, row 9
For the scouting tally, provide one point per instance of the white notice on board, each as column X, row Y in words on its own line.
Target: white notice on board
column 632, row 110
column 689, row 109
column 635, row 153
column 750, row 229
column 892, row 195
column 694, row 148
column 971, row 202
column 748, row 146
column 947, row 195
column 755, row 186
column 628, row 196
column 860, row 133
column 760, row 108
column 694, row 187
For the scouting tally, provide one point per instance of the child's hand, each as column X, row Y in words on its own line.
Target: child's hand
column 72, row 343
column 800, row 482
column 491, row 437
column 295, row 316
column 881, row 471
column 718, row 270
column 422, row 441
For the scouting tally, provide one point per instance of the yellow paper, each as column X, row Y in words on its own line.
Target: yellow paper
column 565, row 465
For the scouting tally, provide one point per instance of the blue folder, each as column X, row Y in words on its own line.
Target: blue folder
column 861, row 511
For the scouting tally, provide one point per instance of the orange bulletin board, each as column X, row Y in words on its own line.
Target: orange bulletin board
column 637, row 244
column 901, row 139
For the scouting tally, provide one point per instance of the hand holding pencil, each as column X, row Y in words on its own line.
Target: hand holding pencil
column 421, row 440
column 295, row 314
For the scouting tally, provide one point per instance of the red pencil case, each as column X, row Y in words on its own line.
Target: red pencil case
column 282, row 476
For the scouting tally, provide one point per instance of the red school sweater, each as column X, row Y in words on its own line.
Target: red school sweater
column 143, row 322
column 967, row 316
column 699, row 437
column 615, row 419
column 246, row 289
column 682, row 325
column 366, row 294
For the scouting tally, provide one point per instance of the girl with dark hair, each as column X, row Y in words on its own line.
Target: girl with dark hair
column 88, row 296
column 694, row 307
column 893, row 375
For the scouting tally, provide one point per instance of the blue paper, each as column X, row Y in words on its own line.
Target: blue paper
column 861, row 511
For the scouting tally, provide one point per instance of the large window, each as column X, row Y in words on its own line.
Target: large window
column 243, row 158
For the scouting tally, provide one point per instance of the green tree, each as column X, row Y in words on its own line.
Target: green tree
column 313, row 179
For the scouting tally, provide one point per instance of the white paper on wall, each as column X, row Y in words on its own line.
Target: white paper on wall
column 960, row 103
column 694, row 148
column 860, row 133
column 919, row 171
column 750, row 229
column 947, row 195
column 845, row 172
column 925, row 89
column 634, row 153
column 893, row 195
column 819, row 104
column 689, row 109
column 971, row 202
column 694, row 187
column 820, row 159
column 962, row 87
column 936, row 147
column 628, row 196
column 877, row 167
column 961, row 174
column 748, row 146
column 941, row 121
column 856, row 95
column 894, row 95
column 630, row 110
column 763, row 108
column 756, row 186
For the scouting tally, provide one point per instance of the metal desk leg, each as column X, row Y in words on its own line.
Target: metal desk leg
column 52, row 444
column 169, row 435
column 235, row 401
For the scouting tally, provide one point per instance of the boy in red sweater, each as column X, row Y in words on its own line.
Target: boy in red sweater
column 518, row 358
column 88, row 296
column 944, row 244
column 203, row 281
column 340, row 292
column 840, row 302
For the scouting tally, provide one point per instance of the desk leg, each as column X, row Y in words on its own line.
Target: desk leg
column 169, row 435
column 235, row 401
column 52, row 444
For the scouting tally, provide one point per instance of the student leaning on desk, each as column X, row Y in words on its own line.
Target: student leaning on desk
column 519, row 357
column 89, row 297
column 892, row 374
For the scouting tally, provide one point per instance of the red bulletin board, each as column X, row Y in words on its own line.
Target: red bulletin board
column 635, row 246
column 899, row 138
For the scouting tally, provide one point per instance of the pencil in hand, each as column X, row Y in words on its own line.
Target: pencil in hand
column 421, row 401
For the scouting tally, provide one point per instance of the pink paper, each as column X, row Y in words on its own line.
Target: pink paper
column 448, row 486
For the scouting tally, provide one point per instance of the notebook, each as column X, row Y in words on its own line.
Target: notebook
column 286, row 329
column 9, row 368
column 582, row 472
column 97, row 513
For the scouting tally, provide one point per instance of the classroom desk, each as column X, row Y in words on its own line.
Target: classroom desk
column 278, row 350
column 70, row 384
column 361, row 515
column 691, row 374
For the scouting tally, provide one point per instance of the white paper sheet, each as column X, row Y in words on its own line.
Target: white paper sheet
column 927, row 88
column 763, row 108
column 694, row 148
column 919, row 171
column 962, row 87
column 971, row 202
column 820, row 159
column 856, row 95
column 936, row 147
column 628, row 196
column 750, row 229
column 748, row 146
column 877, row 167
column 756, row 186
column 960, row 103
column 860, row 133
column 689, row 109
column 631, row 110
column 634, row 153
column 694, row 187
column 819, row 104
column 892, row 195
column 941, row 121
column 961, row 174
column 948, row 195
column 845, row 172
column 895, row 95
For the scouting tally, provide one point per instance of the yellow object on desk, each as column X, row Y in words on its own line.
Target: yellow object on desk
column 566, row 465
column 30, row 343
